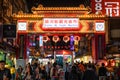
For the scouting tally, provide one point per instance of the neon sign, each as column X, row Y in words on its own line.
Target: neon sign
column 60, row 23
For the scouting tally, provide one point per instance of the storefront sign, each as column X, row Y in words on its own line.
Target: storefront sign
column 9, row 31
column 108, row 7
column 22, row 26
column 57, row 23
column 99, row 26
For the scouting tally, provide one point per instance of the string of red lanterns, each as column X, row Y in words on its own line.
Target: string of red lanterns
column 45, row 39
column 66, row 39
column 56, row 38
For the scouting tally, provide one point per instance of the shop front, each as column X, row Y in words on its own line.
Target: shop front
column 53, row 30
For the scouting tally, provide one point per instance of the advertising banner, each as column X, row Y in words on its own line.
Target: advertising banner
column 108, row 7
column 9, row 31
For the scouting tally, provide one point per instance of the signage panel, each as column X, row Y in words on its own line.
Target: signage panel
column 107, row 7
column 22, row 26
column 99, row 26
column 9, row 31
column 60, row 23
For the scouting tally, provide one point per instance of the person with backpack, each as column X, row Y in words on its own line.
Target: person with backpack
column 89, row 73
column 4, row 72
column 102, row 72
column 74, row 73
column 67, row 71
column 54, row 72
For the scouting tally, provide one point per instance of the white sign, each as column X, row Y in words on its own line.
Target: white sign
column 60, row 23
column 99, row 26
column 22, row 25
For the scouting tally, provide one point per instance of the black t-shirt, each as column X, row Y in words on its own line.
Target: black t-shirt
column 5, row 72
column 89, row 75
column 102, row 71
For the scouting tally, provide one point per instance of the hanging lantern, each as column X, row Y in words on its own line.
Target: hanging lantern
column 66, row 39
column 76, row 42
column 55, row 39
column 45, row 39
column 76, row 38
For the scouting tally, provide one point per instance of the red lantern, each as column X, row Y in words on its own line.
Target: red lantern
column 77, row 38
column 55, row 39
column 66, row 39
column 45, row 39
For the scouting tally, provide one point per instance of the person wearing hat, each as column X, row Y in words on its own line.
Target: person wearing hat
column 4, row 72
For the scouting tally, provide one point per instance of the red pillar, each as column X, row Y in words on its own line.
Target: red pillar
column 22, row 46
column 98, row 47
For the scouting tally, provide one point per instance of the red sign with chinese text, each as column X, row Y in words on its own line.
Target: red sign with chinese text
column 108, row 7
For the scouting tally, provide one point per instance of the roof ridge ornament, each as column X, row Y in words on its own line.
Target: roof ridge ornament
column 40, row 5
column 82, row 6
column 20, row 12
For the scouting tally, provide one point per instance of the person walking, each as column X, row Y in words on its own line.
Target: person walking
column 28, row 73
column 102, row 72
column 67, row 69
column 73, row 74
column 54, row 72
column 89, row 73
column 13, row 71
column 4, row 72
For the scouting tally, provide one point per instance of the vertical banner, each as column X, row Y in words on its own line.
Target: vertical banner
column 107, row 7
column 72, row 43
column 40, row 40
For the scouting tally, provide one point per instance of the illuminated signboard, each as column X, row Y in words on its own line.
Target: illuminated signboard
column 40, row 40
column 108, row 7
column 22, row 26
column 99, row 26
column 57, row 23
column 9, row 31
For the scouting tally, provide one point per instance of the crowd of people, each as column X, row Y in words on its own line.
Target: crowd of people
column 53, row 71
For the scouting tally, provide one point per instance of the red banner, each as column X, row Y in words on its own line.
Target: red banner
column 107, row 7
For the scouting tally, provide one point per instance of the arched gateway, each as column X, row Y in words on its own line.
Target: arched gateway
column 61, row 30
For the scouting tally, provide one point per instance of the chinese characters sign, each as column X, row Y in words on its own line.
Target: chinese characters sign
column 60, row 23
column 108, row 7
column 112, row 8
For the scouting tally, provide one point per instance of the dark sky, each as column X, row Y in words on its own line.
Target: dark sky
column 57, row 3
